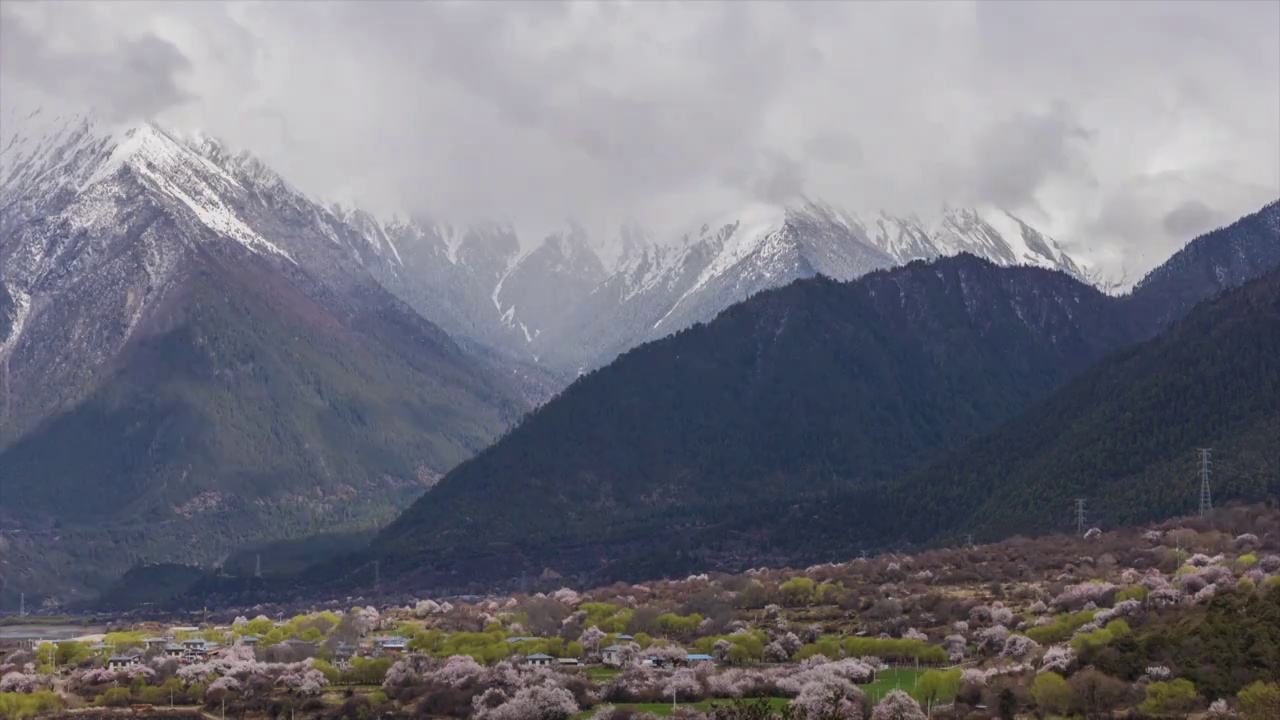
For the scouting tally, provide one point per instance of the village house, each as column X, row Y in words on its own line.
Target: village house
column 197, row 649
column 539, row 660
column 174, row 650
column 613, row 655
column 120, row 662
column 389, row 644
column 568, row 662
column 342, row 653
column 155, row 643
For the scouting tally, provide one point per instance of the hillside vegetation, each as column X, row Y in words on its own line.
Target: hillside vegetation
column 1175, row 620
column 250, row 412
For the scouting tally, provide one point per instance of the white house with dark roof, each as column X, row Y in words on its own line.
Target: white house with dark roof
column 539, row 660
column 613, row 656
column 120, row 662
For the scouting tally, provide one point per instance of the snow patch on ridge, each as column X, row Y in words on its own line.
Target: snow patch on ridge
column 167, row 166
column 1010, row 230
column 22, row 311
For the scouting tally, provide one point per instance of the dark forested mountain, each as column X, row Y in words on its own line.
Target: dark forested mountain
column 814, row 391
column 800, row 391
column 1214, row 262
column 192, row 358
column 1123, row 436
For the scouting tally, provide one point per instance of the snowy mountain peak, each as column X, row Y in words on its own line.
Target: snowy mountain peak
column 998, row 236
column 43, row 156
column 570, row 298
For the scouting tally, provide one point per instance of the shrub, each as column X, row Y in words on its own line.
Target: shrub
column 1061, row 628
column 115, row 697
column 1260, row 701
column 1052, row 693
column 938, row 686
column 1164, row 698
column 22, row 705
column 1137, row 592
column 1102, row 636
column 894, row 649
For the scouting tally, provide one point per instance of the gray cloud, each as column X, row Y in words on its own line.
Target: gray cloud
column 135, row 77
column 1192, row 218
column 1016, row 156
column 1117, row 127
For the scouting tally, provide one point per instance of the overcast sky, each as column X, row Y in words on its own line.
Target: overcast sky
column 1121, row 128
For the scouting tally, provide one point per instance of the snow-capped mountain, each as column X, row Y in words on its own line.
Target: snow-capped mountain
column 564, row 302
column 665, row 288
column 184, row 335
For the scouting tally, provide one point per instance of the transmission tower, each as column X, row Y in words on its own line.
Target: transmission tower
column 376, row 574
column 257, row 566
column 22, row 605
column 1080, row 516
column 1206, row 498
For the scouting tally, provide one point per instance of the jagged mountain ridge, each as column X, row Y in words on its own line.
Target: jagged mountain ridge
column 816, row 390
column 561, row 305
column 193, row 355
column 666, row 288
column 551, row 301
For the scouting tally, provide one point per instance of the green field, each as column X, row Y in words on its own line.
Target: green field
column 898, row 679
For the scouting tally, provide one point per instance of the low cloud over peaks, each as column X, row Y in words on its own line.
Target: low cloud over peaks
column 1113, row 125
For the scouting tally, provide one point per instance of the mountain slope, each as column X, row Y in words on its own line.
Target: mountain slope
column 194, row 356
column 1124, row 435
column 799, row 396
column 1214, row 262
column 799, row 391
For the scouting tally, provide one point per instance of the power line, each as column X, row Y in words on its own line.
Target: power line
column 1080, row 516
column 1206, row 498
